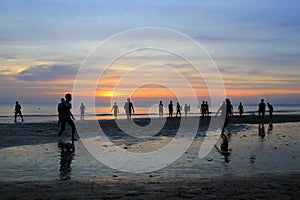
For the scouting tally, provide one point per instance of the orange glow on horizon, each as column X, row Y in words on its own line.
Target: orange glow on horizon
column 153, row 92
column 260, row 92
column 167, row 93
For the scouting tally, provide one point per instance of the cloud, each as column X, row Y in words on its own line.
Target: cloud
column 4, row 71
column 47, row 73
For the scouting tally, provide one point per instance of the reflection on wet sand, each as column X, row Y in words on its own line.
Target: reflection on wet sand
column 224, row 150
column 66, row 157
column 261, row 130
column 19, row 159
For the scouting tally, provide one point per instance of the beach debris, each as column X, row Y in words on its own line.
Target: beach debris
column 209, row 159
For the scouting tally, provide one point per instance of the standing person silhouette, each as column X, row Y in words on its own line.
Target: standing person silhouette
column 60, row 110
column 160, row 109
column 115, row 109
column 206, row 108
column 18, row 111
column 270, row 110
column 82, row 110
column 178, row 109
column 129, row 109
column 261, row 109
column 186, row 109
column 67, row 117
column 203, row 109
column 241, row 109
column 171, row 109
column 224, row 113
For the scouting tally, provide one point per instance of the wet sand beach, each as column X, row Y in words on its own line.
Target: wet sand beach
column 259, row 186
column 259, row 167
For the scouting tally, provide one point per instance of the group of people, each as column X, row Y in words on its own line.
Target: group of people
column 128, row 107
column 178, row 109
column 262, row 109
column 226, row 109
column 187, row 108
column 65, row 115
column 204, row 109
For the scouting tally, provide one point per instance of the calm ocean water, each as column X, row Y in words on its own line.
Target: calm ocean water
column 48, row 113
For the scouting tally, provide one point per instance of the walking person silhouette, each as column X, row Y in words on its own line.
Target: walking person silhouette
column 115, row 109
column 60, row 110
column 224, row 109
column 18, row 111
column 67, row 117
column 171, row 109
column 129, row 109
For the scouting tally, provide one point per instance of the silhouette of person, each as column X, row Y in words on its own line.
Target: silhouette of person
column 270, row 110
column 178, row 109
column 66, row 157
column 241, row 109
column 18, row 111
column 186, row 109
column 203, row 109
column 60, row 110
column 224, row 113
column 171, row 109
column 222, row 109
column 261, row 109
column 129, row 109
column 115, row 109
column 67, row 117
column 160, row 109
column 82, row 110
column 206, row 109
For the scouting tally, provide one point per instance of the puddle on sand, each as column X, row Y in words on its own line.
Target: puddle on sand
column 251, row 152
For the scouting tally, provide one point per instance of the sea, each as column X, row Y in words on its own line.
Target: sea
column 40, row 113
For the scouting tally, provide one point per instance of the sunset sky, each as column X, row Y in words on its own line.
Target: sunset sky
column 255, row 45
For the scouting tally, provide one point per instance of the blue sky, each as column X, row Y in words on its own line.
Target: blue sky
column 255, row 44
